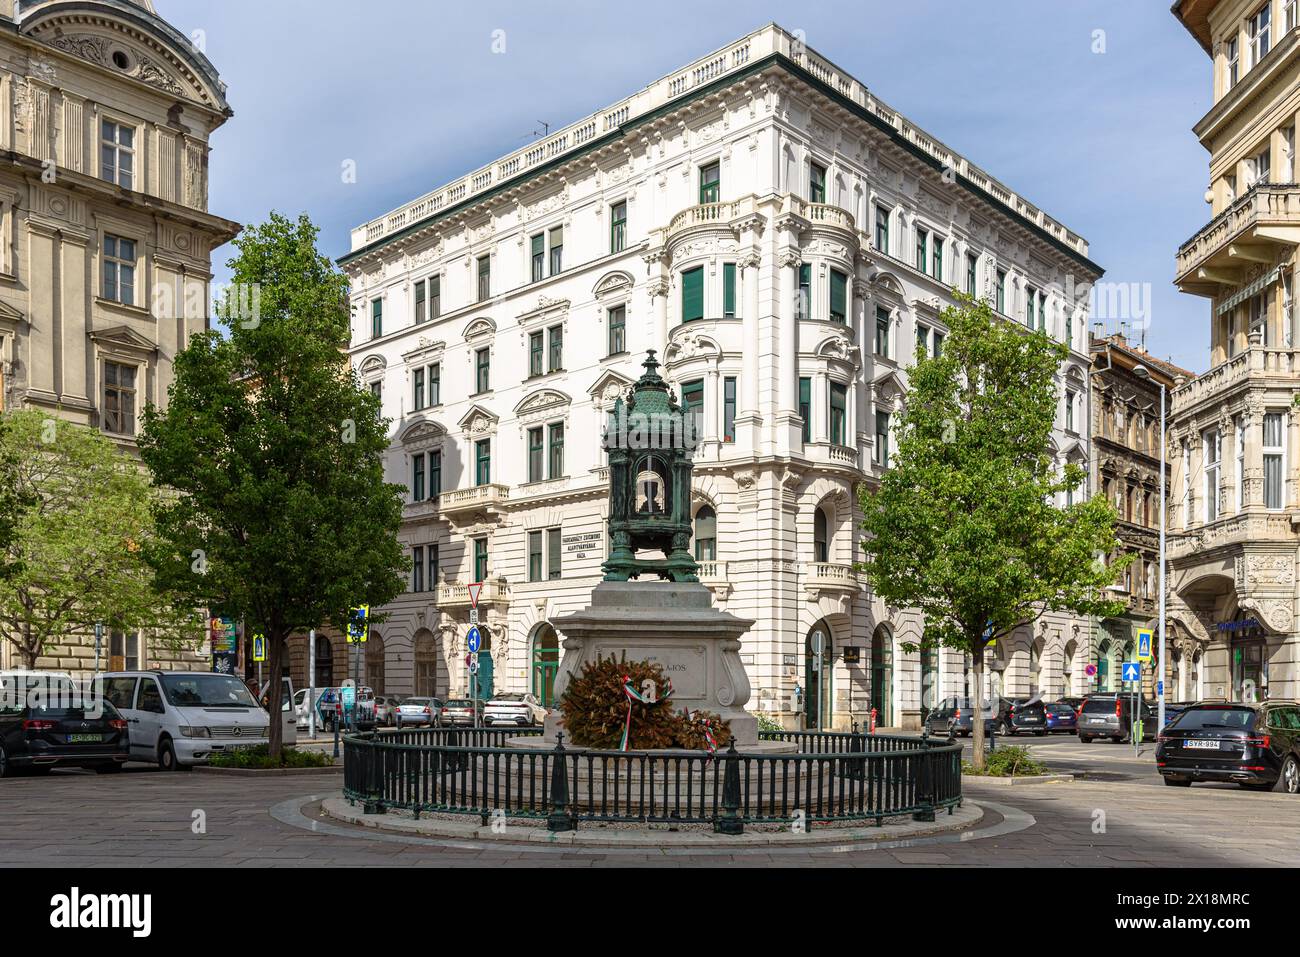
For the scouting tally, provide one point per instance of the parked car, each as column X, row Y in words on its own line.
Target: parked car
column 1017, row 716
column 302, row 708
column 422, row 711
column 514, row 708
column 1254, row 745
column 956, row 718
column 329, row 708
column 386, row 709
column 1061, row 717
column 1074, row 703
column 460, row 711
column 1110, row 715
column 48, row 722
column 181, row 718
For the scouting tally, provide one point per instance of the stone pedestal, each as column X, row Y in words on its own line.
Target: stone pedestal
column 674, row 625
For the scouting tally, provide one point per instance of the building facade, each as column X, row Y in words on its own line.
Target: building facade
column 1235, row 433
column 105, row 234
column 785, row 243
column 1126, row 384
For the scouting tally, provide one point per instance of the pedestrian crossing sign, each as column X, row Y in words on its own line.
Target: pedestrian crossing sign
column 358, row 624
column 1144, row 646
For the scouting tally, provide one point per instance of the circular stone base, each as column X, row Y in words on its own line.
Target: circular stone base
column 467, row 827
column 537, row 742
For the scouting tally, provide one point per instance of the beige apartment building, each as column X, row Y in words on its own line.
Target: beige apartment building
column 1235, row 434
column 105, row 235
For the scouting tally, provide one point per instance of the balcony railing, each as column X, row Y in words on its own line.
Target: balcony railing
column 713, row 572
column 475, row 498
column 1256, row 362
column 830, row 575
column 456, row 594
column 1246, row 220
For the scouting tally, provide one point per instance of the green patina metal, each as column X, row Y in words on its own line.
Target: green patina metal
column 650, row 440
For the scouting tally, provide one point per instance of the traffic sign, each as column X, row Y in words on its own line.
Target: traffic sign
column 473, row 665
column 475, row 589
column 1144, row 645
column 473, row 639
column 1090, row 670
column 1160, row 688
column 473, row 616
column 259, row 647
column 1132, row 671
column 358, row 624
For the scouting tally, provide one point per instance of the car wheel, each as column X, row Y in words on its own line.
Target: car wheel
column 1288, row 782
column 1178, row 782
column 167, row 756
column 1085, row 739
column 1041, row 734
column 6, row 769
column 1008, row 729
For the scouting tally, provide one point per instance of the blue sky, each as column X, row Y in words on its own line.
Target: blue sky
column 413, row 93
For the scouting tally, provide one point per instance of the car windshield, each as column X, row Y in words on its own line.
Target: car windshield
column 509, row 698
column 418, row 702
column 460, row 703
column 1218, row 719
column 1099, row 706
column 1060, row 708
column 207, row 691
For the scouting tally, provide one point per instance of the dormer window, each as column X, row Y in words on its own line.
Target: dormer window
column 117, row 153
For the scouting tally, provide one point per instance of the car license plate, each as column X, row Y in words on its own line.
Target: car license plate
column 1029, row 720
column 1096, row 720
column 1202, row 745
column 85, row 738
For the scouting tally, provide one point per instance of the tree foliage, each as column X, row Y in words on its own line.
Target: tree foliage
column 78, row 529
column 964, row 526
column 273, row 454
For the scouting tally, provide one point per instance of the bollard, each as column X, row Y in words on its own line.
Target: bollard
column 925, row 788
column 560, row 819
column 730, row 822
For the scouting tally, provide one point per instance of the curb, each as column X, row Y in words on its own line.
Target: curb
column 338, row 809
column 267, row 772
column 1008, row 782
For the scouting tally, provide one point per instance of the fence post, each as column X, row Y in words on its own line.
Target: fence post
column 373, row 776
column 560, row 818
column 925, row 786
column 730, row 822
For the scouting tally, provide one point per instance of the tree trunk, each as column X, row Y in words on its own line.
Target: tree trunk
column 977, row 704
column 273, row 693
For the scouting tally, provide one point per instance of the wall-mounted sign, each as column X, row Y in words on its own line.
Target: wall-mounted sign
column 579, row 545
column 852, row 656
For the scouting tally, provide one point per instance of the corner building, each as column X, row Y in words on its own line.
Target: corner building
column 785, row 242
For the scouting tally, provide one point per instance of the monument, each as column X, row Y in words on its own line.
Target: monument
column 669, row 620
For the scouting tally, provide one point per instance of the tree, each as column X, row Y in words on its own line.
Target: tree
column 963, row 526
column 75, row 552
column 272, row 455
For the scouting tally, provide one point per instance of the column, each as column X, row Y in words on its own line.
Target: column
column 749, row 420
column 821, row 407
column 658, row 291
column 862, row 384
column 788, row 432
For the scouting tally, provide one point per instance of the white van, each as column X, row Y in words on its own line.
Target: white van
column 180, row 718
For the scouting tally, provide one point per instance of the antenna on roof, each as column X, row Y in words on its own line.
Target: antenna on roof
column 545, row 129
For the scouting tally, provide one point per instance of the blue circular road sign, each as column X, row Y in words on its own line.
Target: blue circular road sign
column 473, row 639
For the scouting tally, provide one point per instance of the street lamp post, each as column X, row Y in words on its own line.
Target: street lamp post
column 1144, row 372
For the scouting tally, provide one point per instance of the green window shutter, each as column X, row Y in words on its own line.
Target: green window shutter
column 839, row 296
column 693, row 294
column 729, row 289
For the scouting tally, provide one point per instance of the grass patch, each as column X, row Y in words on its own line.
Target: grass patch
column 259, row 759
column 1008, row 761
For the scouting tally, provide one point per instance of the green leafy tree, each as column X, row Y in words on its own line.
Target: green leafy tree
column 75, row 552
column 963, row 526
column 273, row 454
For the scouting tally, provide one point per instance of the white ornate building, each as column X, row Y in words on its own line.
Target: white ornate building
column 784, row 240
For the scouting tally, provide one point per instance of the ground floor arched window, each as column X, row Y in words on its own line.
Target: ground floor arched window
column 324, row 677
column 426, row 665
column 375, row 661
column 546, row 664
column 882, row 675
column 929, row 681
column 818, row 670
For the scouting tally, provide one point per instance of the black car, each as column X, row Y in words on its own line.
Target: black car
column 955, row 717
column 1110, row 715
column 1017, row 716
column 1254, row 745
column 58, row 728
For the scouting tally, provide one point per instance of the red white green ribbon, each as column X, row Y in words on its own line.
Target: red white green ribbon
column 632, row 695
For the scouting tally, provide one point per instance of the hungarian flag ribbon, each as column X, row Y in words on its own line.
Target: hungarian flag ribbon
column 632, row 695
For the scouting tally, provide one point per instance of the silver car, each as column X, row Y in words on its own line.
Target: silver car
column 418, row 711
column 514, row 708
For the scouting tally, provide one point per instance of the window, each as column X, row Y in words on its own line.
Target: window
column 1233, row 58
column 882, row 332
column 617, row 227
column 435, row 473
column 936, row 259
column 1273, row 472
column 1258, row 317
column 922, row 239
column 435, row 384
column 417, row 477
column 693, row 405
column 1257, row 168
column 1289, row 12
column 805, row 406
column 556, row 238
column 1031, row 298
column 938, row 343
column 838, row 410
column 729, row 290
column 882, row 229
column 119, row 269
column 1239, row 443
column 119, row 398
column 417, row 568
column 1069, row 410
column 693, row 294
column 803, row 297
column 420, row 303
column 971, row 266
column 1258, row 33
column 535, row 556
column 881, row 452
column 127, row 647
column 816, row 183
column 480, row 559
column 556, row 437
column 710, row 183
column 417, row 389
column 483, row 461
column 1288, row 155
column 117, row 154
column 839, row 296
column 555, row 348
column 706, row 534
column 617, row 330
column 377, row 389
column 729, row 408
column 554, row 553
column 484, row 277
column 535, row 353
column 435, row 297
column 821, row 536
column 538, row 249
column 376, row 318
column 1000, row 304
column 483, row 369
column 1211, row 449
column 922, row 340
column 535, row 473
column 433, row 567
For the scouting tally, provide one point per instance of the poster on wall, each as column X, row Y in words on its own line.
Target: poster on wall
column 225, row 645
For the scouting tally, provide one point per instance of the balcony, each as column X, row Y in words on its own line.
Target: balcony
column 496, row 591
column 830, row 577
column 476, row 500
column 708, row 214
column 420, row 511
column 713, row 575
column 1249, row 232
column 1256, row 364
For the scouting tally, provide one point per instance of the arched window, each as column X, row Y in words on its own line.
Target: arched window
column 426, row 665
column 821, row 536
column 706, row 534
column 546, row 663
column 324, row 677
column 375, row 661
column 882, row 674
